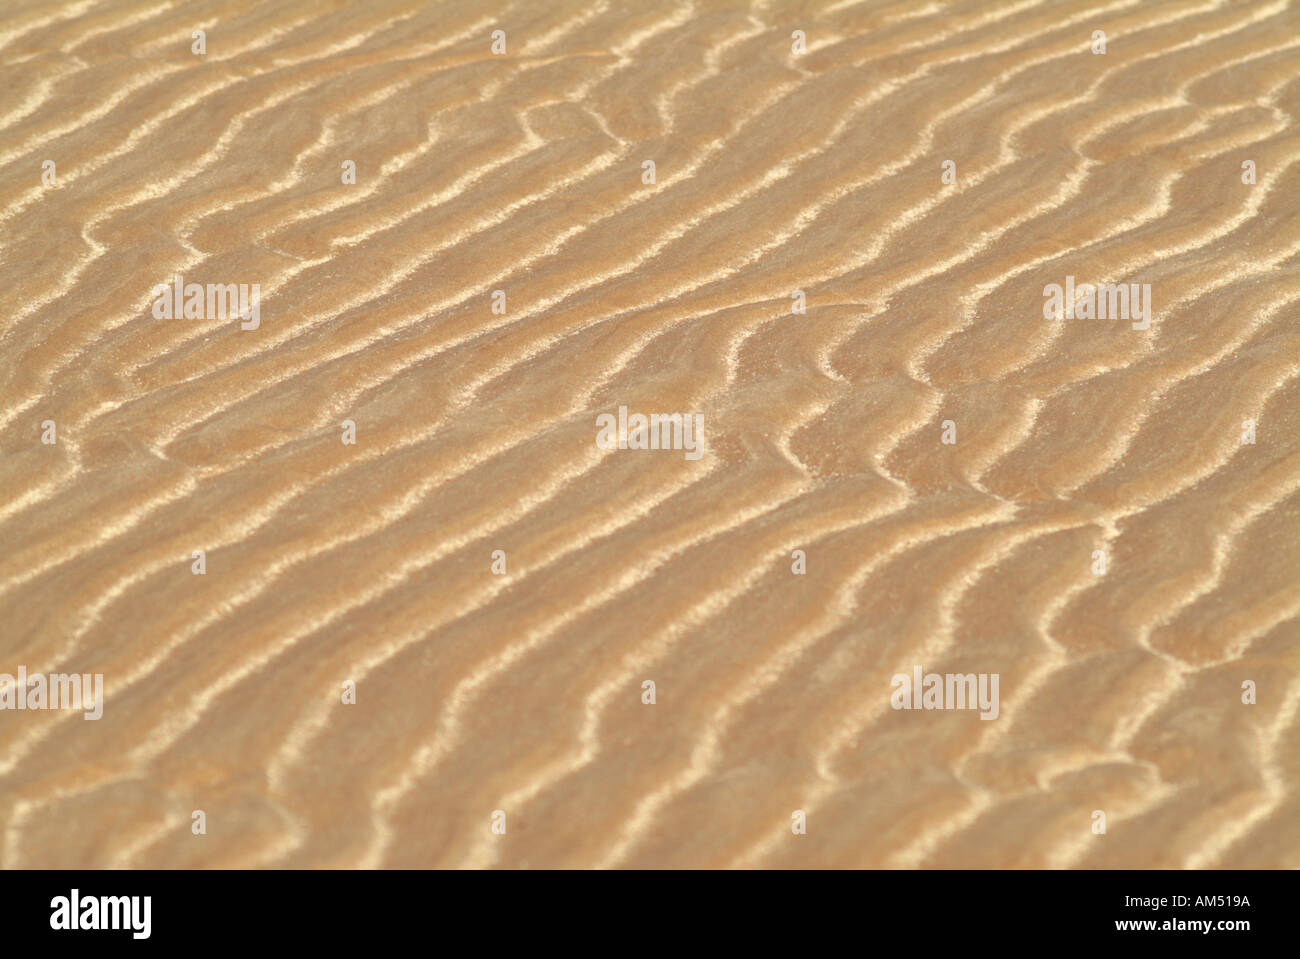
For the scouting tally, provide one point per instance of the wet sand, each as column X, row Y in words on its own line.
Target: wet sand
column 1077, row 443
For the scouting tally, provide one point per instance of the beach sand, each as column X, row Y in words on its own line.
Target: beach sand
column 1099, row 534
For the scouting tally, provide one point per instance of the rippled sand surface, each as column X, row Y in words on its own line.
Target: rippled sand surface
column 372, row 563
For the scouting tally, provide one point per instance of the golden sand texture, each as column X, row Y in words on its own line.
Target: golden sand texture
column 1099, row 533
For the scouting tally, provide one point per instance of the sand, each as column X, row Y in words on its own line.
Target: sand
column 429, row 647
